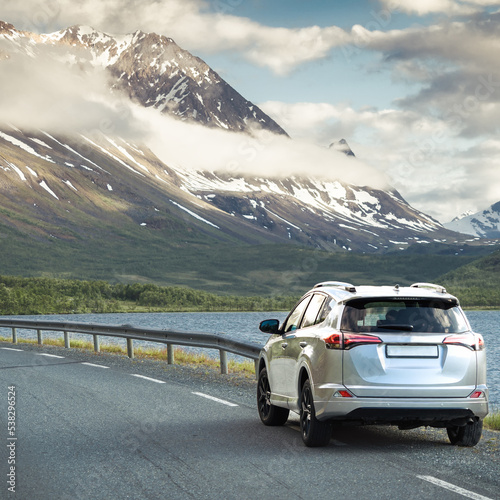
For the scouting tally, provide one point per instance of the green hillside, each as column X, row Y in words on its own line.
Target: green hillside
column 477, row 284
column 202, row 263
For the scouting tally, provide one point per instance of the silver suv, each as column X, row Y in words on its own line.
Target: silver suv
column 393, row 355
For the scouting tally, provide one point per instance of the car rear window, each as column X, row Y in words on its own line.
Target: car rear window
column 417, row 315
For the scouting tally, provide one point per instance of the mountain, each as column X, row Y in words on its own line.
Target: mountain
column 484, row 224
column 155, row 72
column 68, row 186
column 342, row 146
column 117, row 208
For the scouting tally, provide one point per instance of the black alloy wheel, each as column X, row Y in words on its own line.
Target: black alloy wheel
column 269, row 414
column 314, row 432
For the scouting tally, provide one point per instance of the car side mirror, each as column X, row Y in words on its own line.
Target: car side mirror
column 269, row 326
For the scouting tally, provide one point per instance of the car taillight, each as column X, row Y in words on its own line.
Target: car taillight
column 480, row 342
column 342, row 394
column 350, row 340
column 474, row 342
column 477, row 394
column 334, row 341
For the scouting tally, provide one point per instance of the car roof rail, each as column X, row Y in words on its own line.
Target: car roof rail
column 337, row 284
column 430, row 286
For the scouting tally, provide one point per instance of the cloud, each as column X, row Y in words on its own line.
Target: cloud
column 453, row 65
column 45, row 92
column 447, row 7
column 190, row 23
column 263, row 154
column 330, row 122
column 470, row 42
column 437, row 172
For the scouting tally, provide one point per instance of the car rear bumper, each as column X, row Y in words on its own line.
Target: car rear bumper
column 403, row 411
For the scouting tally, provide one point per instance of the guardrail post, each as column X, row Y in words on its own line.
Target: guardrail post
column 223, row 362
column 170, row 354
column 14, row 335
column 130, row 348
column 39, row 336
column 66, row 340
column 97, row 347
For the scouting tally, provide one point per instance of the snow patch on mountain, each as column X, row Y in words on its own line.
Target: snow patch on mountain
column 330, row 200
column 45, row 186
column 25, row 147
column 193, row 214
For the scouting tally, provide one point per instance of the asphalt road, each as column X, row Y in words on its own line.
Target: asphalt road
column 103, row 431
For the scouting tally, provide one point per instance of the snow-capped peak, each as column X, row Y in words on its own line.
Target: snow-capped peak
column 485, row 224
column 462, row 216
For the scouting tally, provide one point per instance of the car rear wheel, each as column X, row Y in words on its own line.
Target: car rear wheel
column 269, row 414
column 468, row 435
column 314, row 432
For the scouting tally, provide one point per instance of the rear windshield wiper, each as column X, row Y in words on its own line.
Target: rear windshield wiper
column 404, row 328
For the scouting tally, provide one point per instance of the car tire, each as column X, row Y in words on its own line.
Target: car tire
column 314, row 432
column 270, row 414
column 468, row 435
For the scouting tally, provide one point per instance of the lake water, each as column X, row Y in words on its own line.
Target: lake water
column 244, row 326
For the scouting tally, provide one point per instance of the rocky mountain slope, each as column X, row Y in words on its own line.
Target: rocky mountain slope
column 484, row 224
column 59, row 187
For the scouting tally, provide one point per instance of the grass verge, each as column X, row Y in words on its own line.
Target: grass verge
column 492, row 421
column 181, row 356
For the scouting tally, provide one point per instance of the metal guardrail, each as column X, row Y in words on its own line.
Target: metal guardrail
column 130, row 333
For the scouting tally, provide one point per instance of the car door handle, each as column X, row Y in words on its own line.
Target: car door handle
column 284, row 345
column 302, row 344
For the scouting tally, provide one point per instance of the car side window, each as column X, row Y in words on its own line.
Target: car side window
column 295, row 316
column 311, row 316
column 328, row 305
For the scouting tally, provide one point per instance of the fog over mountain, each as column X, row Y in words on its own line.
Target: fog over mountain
column 79, row 80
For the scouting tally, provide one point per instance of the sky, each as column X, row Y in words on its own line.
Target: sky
column 414, row 87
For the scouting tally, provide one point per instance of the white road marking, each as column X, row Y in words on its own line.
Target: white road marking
column 148, row 378
column 11, row 349
column 49, row 355
column 456, row 489
column 97, row 366
column 212, row 398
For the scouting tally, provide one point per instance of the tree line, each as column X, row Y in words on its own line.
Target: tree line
column 20, row 295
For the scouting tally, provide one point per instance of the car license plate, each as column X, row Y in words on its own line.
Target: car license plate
column 412, row 351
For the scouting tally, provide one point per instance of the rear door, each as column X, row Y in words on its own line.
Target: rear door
column 299, row 335
column 415, row 356
column 283, row 352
